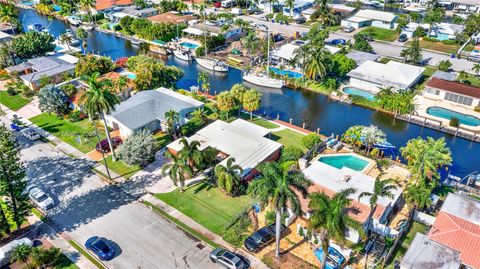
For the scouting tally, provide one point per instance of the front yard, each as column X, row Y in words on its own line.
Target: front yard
column 14, row 102
column 380, row 33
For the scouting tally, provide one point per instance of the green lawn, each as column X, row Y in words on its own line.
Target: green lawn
column 437, row 46
column 288, row 137
column 122, row 169
column 380, row 33
column 86, row 254
column 207, row 205
column 14, row 102
column 65, row 263
column 473, row 80
column 80, row 135
column 415, row 228
column 259, row 121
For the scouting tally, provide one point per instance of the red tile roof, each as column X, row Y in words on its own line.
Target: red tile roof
column 458, row 234
column 358, row 211
column 455, row 87
column 105, row 4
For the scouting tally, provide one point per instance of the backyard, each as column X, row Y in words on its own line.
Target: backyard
column 259, row 121
column 415, row 228
column 288, row 137
column 380, row 33
column 14, row 102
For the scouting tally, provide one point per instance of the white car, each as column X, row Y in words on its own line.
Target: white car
column 30, row 134
column 44, row 201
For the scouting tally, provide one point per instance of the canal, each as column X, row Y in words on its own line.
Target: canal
column 313, row 109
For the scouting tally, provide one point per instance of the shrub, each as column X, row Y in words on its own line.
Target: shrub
column 384, row 163
column 444, row 65
column 192, row 126
column 11, row 91
column 236, row 233
column 76, row 116
column 310, row 140
column 477, row 108
column 69, row 89
column 291, row 153
column 454, row 122
column 270, row 217
column 374, row 153
column 281, row 18
column 200, row 51
column 27, row 92
column 4, row 75
column 138, row 149
column 449, row 42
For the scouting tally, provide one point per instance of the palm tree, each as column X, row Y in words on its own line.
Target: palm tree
column 372, row 135
column 251, row 101
column 228, row 176
column 276, row 186
column 290, row 4
column 418, row 196
column 178, row 169
column 98, row 100
column 87, row 6
column 353, row 135
column 200, row 113
column 251, row 42
column 21, row 253
column 191, row 153
column 181, row 6
column 83, row 35
column 315, row 64
column 476, row 69
column 381, row 188
column 203, row 81
column 121, row 85
column 328, row 218
column 66, row 39
column 9, row 14
column 171, row 118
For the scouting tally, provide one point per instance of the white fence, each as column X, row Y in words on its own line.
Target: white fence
column 423, row 218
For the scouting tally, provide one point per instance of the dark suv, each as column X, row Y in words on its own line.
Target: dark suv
column 261, row 238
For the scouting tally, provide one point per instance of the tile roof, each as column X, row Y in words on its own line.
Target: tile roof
column 106, row 4
column 453, row 86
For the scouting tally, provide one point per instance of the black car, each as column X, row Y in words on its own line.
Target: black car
column 229, row 259
column 261, row 238
column 101, row 247
column 402, row 38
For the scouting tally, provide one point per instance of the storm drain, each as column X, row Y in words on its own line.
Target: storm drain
column 200, row 246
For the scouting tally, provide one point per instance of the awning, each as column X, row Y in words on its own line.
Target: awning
column 193, row 31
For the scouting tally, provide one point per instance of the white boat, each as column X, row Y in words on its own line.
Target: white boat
column 135, row 42
column 183, row 55
column 264, row 81
column 75, row 42
column 86, row 27
column 74, row 20
column 37, row 27
column 212, row 64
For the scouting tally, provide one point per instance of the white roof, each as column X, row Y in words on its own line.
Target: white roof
column 467, row 2
column 341, row 7
column 120, row 15
column 68, row 58
column 463, row 207
column 193, row 31
column 358, row 19
column 332, row 49
column 449, row 28
column 393, row 74
column 376, row 15
column 333, row 179
column 287, row 51
column 239, row 139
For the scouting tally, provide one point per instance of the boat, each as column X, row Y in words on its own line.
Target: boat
column 384, row 145
column 87, row 27
column 37, row 27
column 135, row 42
column 183, row 55
column 74, row 20
column 212, row 64
column 75, row 42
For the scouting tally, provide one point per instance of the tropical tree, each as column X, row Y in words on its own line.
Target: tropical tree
column 413, row 53
column 381, row 188
column 251, row 42
column 121, row 85
column 21, row 253
column 417, row 196
column 476, row 69
column 9, row 14
column 315, row 66
column 328, row 218
column 226, row 102
column 83, row 35
column 33, row 44
column 278, row 186
column 290, row 4
column 353, row 135
column 372, row 135
column 191, row 153
column 172, row 118
column 87, row 6
column 204, row 81
column 444, row 65
column 200, row 113
column 138, row 149
column 66, row 39
column 52, row 99
column 97, row 100
column 177, row 169
column 434, row 16
column 251, row 101
column 228, row 176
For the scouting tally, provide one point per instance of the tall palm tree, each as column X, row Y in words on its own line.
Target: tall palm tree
column 328, row 218
column 372, row 135
column 203, row 80
column 353, row 135
column 9, row 14
column 191, row 153
column 228, row 176
column 315, row 64
column 276, row 186
column 21, row 253
column 171, row 118
column 381, row 188
column 178, row 170
column 476, row 69
column 83, row 35
column 251, row 42
column 66, row 39
column 98, row 100
column 290, row 4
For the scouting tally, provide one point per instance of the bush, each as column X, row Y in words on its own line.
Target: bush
column 191, row 126
column 69, row 89
column 431, row 39
column 200, row 51
column 444, row 65
column 291, row 153
column 27, row 92
column 477, row 109
column 310, row 140
column 269, row 16
column 374, row 153
column 270, row 217
column 12, row 91
column 384, row 163
column 138, row 149
column 237, row 232
column 76, row 116
column 450, row 42
column 4, row 75
column 281, row 18
column 454, row 122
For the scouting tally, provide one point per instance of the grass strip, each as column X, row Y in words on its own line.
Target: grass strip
column 39, row 215
column 87, row 255
column 181, row 225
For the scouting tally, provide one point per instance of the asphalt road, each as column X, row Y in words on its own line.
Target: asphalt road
column 86, row 206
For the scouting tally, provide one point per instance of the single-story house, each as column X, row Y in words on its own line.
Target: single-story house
column 286, row 53
column 457, row 226
column 452, row 91
column 146, row 110
column 361, row 57
column 106, row 5
column 426, row 253
column 53, row 67
column 4, row 37
column 372, row 76
column 470, row 6
column 231, row 33
column 450, row 76
column 171, row 17
column 445, row 31
column 331, row 180
column 242, row 140
column 341, row 9
column 133, row 12
column 367, row 17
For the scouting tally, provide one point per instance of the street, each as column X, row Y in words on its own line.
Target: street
column 86, row 206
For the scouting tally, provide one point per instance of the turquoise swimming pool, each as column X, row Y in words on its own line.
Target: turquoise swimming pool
column 339, row 161
column 288, row 73
column 189, row 45
column 449, row 114
column 131, row 76
column 357, row 92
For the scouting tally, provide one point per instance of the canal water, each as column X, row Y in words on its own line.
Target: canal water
column 313, row 109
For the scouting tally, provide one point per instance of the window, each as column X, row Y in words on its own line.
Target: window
column 456, row 98
column 433, row 91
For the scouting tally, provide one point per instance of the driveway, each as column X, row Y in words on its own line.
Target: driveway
column 86, row 206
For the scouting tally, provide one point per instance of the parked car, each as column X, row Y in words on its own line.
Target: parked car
column 236, row 11
column 402, row 38
column 299, row 18
column 254, row 10
column 261, row 238
column 262, row 27
column 228, row 3
column 338, row 41
column 103, row 145
column 334, row 258
column 7, row 250
column 30, row 134
column 101, row 247
column 229, row 259
column 44, row 201
column 217, row 4
column 348, row 29
column 15, row 127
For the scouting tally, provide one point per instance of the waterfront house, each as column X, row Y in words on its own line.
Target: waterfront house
column 366, row 17
column 433, row 255
column 468, row 6
column 232, row 33
column 171, row 17
column 286, row 53
column 457, row 226
column 330, row 180
column 133, row 12
column 452, row 92
column 361, row 57
column 372, row 76
column 244, row 141
column 52, row 67
column 146, row 110
column 108, row 5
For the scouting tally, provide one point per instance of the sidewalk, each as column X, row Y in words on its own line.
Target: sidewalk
column 255, row 262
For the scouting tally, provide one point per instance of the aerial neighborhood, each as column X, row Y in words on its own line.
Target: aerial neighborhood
column 240, row 134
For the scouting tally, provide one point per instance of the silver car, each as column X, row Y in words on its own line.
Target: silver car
column 30, row 134
column 44, row 201
column 229, row 259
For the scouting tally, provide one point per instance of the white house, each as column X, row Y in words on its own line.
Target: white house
column 470, row 6
column 372, row 76
column 233, row 32
column 146, row 110
column 286, row 53
column 453, row 92
column 368, row 17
